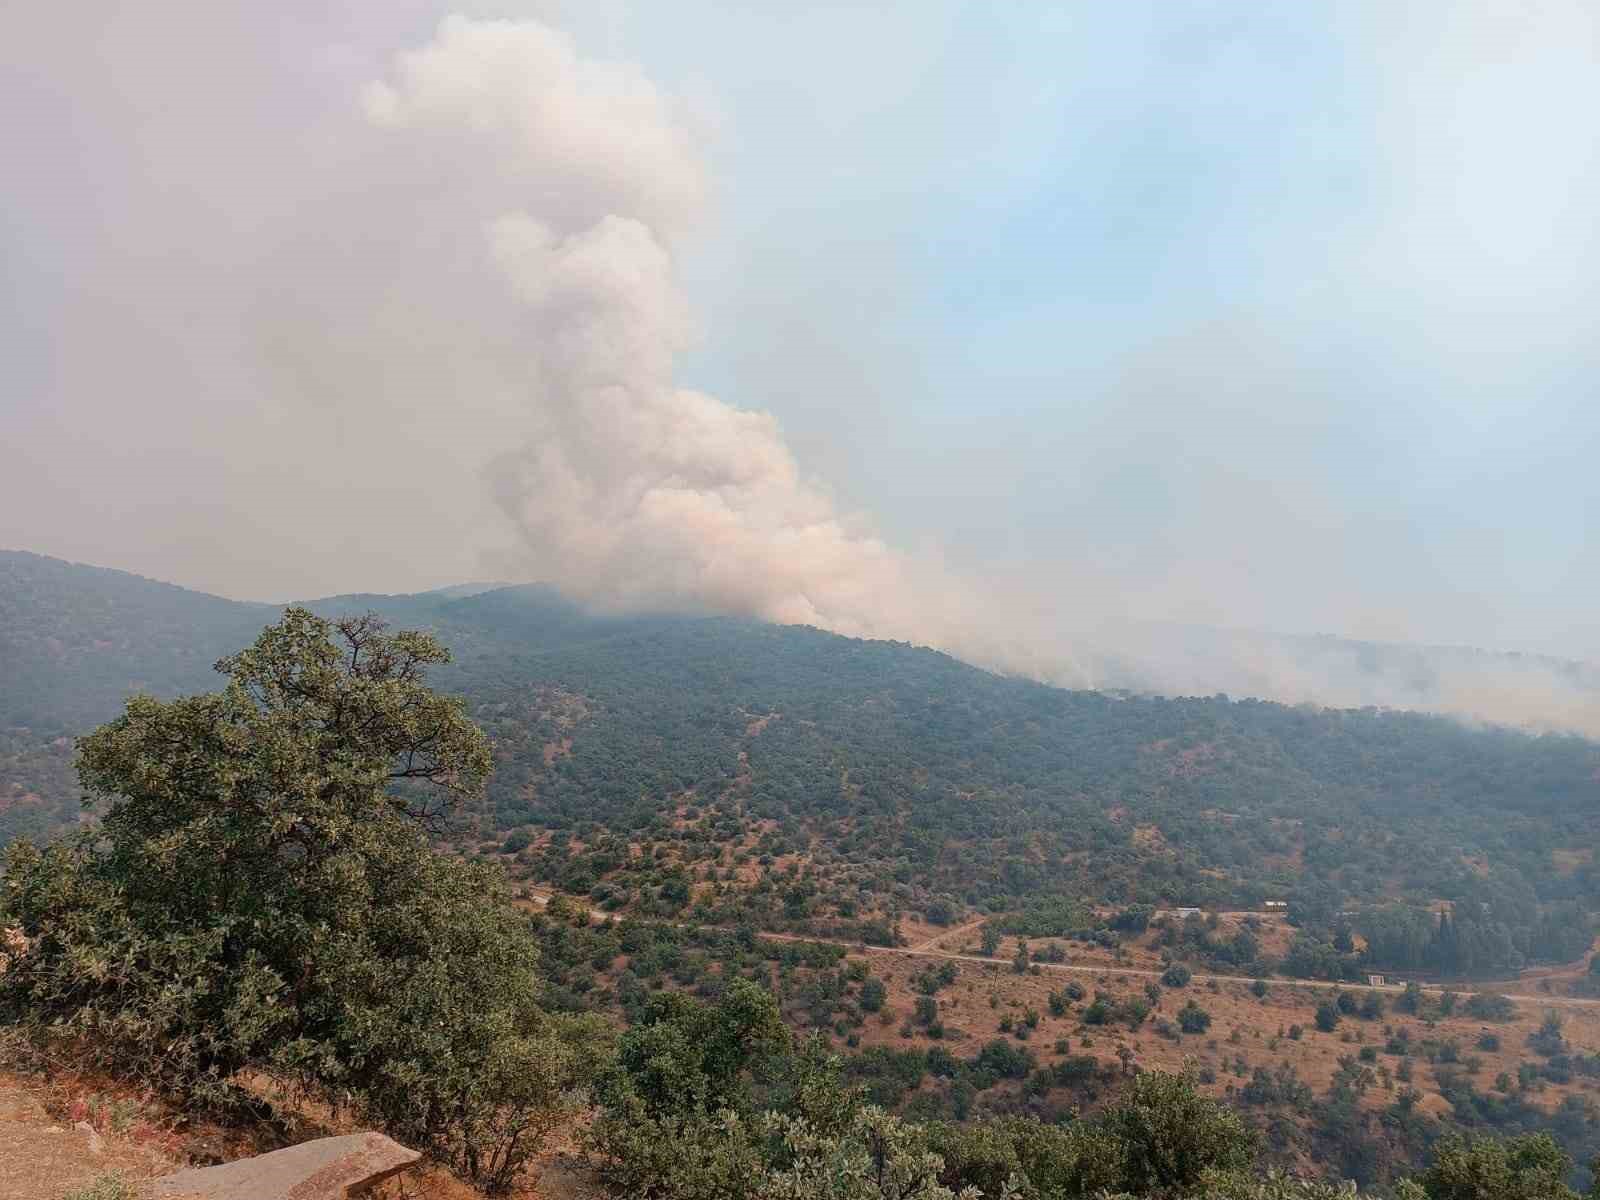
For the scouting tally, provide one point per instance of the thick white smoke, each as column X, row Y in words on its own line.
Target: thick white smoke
column 629, row 490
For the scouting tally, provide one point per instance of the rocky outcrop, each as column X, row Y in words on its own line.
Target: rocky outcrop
column 334, row 1168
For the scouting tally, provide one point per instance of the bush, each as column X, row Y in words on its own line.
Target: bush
column 1327, row 1016
column 1547, row 1039
column 516, row 841
column 1489, row 1006
column 1171, row 1135
column 1004, row 1059
column 1532, row 1167
column 675, row 1112
column 1176, row 976
column 110, row 1186
column 1193, row 1019
column 873, row 994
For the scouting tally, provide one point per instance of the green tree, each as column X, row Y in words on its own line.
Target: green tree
column 676, row 1113
column 1327, row 1016
column 684, row 1054
column 877, row 1157
column 1193, row 1019
column 1171, row 1135
column 261, row 895
column 873, row 994
column 1532, row 1167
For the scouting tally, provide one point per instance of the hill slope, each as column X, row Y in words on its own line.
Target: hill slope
column 641, row 752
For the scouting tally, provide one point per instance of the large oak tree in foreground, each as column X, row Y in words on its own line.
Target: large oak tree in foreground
column 261, row 895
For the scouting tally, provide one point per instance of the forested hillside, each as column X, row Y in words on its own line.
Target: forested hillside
column 965, row 873
column 888, row 778
column 76, row 640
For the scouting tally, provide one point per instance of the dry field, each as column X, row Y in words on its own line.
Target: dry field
column 1246, row 1032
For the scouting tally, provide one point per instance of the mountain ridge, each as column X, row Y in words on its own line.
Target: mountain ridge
column 972, row 786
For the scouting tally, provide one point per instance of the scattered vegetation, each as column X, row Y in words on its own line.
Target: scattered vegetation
column 303, row 875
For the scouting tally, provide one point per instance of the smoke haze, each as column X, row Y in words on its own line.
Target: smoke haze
column 393, row 308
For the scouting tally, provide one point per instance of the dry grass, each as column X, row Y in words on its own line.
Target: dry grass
column 1244, row 1027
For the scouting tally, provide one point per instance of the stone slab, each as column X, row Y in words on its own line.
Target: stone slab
column 334, row 1168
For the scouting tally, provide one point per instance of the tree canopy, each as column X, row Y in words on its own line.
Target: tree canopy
column 262, row 894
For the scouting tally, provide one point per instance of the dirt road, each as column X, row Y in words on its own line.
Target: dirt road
column 929, row 949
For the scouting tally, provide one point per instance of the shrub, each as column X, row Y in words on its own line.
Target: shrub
column 1005, row 1059
column 1489, row 1006
column 1176, row 976
column 110, row 1186
column 873, row 993
column 1171, row 1135
column 674, row 1109
column 1547, row 1039
column 1532, row 1167
column 1193, row 1019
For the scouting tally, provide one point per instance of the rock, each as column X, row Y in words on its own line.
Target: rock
column 326, row 1169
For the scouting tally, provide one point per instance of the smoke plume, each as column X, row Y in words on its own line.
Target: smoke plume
column 629, row 491
column 301, row 314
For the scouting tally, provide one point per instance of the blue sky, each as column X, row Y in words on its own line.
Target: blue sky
column 1264, row 315
column 1106, row 280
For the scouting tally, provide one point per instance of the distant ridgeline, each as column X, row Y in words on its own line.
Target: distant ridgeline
column 956, row 785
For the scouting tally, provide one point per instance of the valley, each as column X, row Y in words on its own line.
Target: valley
column 969, row 886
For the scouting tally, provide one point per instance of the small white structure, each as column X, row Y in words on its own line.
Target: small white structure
column 1375, row 980
column 1277, row 905
column 1186, row 912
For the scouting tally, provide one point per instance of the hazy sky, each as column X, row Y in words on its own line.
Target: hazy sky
column 1262, row 315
